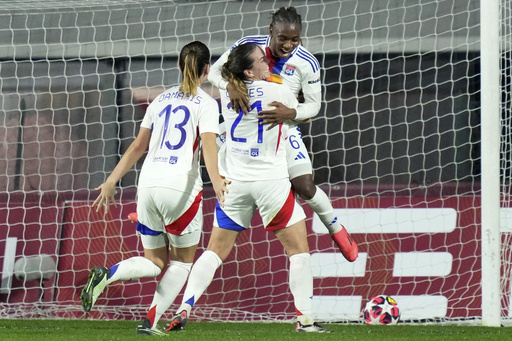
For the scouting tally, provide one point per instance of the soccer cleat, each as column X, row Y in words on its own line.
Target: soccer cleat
column 145, row 329
column 311, row 328
column 94, row 287
column 178, row 322
column 347, row 246
column 134, row 217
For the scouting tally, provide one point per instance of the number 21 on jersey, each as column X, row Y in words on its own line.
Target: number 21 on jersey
column 256, row 105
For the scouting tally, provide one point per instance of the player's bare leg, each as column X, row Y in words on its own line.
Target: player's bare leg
column 305, row 187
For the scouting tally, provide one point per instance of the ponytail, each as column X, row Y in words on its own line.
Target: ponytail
column 231, row 78
column 239, row 60
column 194, row 57
column 190, row 77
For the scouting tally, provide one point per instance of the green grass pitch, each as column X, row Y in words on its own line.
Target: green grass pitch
column 23, row 330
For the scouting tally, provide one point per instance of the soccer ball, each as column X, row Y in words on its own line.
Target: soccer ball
column 380, row 310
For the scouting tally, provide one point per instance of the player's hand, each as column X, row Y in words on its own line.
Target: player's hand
column 106, row 196
column 239, row 100
column 276, row 116
column 220, row 186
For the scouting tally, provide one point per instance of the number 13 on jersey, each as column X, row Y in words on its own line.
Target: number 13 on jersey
column 176, row 128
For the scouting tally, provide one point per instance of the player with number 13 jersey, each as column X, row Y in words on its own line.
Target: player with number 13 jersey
column 176, row 121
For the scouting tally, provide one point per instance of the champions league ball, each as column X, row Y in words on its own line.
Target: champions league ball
column 381, row 310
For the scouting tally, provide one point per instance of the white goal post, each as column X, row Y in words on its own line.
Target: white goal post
column 412, row 145
column 491, row 132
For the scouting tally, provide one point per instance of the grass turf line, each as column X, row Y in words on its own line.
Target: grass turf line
column 24, row 330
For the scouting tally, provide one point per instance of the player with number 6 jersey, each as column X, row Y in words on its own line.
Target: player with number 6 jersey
column 300, row 71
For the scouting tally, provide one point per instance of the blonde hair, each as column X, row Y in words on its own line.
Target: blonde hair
column 228, row 76
column 194, row 57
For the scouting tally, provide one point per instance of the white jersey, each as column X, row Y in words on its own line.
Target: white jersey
column 251, row 152
column 176, row 122
column 300, row 71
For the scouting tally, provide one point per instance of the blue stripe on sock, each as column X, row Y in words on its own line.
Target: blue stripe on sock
column 113, row 270
column 190, row 301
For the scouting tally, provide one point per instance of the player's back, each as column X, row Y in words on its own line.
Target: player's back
column 176, row 119
column 251, row 152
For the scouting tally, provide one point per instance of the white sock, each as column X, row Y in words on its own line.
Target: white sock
column 200, row 278
column 168, row 288
column 301, row 286
column 322, row 206
column 133, row 268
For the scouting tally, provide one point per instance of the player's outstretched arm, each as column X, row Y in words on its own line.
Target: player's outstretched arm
column 130, row 157
column 211, row 161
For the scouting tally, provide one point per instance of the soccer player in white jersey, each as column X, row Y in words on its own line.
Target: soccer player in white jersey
column 300, row 71
column 177, row 124
column 254, row 160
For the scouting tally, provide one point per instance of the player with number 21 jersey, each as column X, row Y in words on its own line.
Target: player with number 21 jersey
column 251, row 152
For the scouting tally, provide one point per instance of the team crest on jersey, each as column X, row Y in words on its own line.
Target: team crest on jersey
column 173, row 160
column 290, row 70
column 255, row 152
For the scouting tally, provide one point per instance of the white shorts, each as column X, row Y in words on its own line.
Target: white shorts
column 273, row 198
column 297, row 155
column 169, row 216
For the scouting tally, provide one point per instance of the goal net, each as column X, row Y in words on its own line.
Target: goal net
column 396, row 146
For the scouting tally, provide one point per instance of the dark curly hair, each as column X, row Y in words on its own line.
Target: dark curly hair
column 286, row 15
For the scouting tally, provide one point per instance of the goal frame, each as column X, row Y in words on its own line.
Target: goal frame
column 342, row 49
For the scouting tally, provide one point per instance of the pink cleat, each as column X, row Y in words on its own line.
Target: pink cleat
column 133, row 217
column 178, row 322
column 347, row 246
